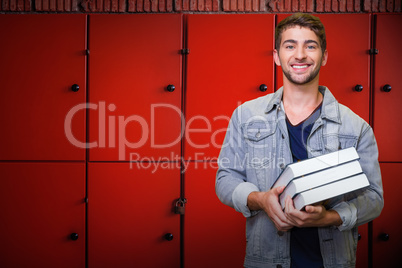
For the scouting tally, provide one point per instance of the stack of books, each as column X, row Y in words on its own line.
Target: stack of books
column 319, row 178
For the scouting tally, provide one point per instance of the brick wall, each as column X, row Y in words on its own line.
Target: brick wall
column 212, row 6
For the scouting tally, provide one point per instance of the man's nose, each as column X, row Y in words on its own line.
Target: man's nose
column 300, row 53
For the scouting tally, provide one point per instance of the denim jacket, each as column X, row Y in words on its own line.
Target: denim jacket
column 255, row 151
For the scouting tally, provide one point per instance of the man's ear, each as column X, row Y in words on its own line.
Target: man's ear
column 276, row 57
column 324, row 58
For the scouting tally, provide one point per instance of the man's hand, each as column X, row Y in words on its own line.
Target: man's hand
column 313, row 216
column 268, row 201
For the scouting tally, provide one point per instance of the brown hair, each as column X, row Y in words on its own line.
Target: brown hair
column 303, row 20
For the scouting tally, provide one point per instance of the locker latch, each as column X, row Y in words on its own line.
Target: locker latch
column 180, row 206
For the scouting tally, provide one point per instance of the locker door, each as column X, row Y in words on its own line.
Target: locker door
column 230, row 59
column 135, row 84
column 42, row 57
column 131, row 222
column 388, row 87
column 387, row 233
column 42, row 215
column 214, row 234
column 348, row 43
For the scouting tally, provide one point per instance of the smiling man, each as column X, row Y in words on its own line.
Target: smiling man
column 300, row 120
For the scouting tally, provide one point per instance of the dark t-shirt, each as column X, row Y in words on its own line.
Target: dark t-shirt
column 304, row 242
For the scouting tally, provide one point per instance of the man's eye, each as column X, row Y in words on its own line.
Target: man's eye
column 311, row 47
column 289, row 47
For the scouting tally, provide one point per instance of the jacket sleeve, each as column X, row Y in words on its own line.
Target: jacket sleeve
column 231, row 183
column 363, row 206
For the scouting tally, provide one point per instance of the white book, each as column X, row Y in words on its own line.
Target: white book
column 330, row 190
column 316, row 179
column 314, row 164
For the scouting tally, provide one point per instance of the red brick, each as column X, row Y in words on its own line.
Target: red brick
column 20, row 5
column 28, row 5
column 201, row 5
column 357, row 5
column 335, row 6
column 302, row 6
column 342, row 5
column 186, row 5
column 310, row 5
column 262, row 5
column 13, row 5
column 390, row 5
column 327, row 5
column 226, row 5
column 74, row 5
column 366, row 6
column 295, row 5
column 193, row 5
column 233, row 5
column 106, row 5
column 154, row 5
column 349, row 5
column 254, row 5
column 247, row 5
column 382, row 5
column 169, row 5
column 374, row 5
column 273, row 5
column 147, row 5
column 320, row 6
column 240, row 5
column 288, row 5
column 215, row 5
column 397, row 6
column 131, row 6
column 5, row 5
column 55, row 4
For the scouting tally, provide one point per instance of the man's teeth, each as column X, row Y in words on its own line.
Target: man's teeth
column 299, row 66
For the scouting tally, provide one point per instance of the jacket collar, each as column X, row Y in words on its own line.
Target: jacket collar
column 329, row 110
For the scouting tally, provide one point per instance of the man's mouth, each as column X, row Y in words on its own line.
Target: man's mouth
column 300, row 66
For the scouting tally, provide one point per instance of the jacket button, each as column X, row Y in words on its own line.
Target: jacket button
column 282, row 165
column 280, row 233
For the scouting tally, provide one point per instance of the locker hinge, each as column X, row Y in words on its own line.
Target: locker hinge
column 87, row 52
column 86, row 200
column 373, row 51
column 185, row 51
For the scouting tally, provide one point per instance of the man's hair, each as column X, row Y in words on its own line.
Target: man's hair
column 305, row 21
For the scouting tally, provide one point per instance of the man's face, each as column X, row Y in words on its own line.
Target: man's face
column 300, row 55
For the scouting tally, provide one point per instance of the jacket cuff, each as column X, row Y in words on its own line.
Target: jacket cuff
column 240, row 195
column 348, row 214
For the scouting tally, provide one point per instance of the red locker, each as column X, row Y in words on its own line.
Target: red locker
column 387, row 87
column 348, row 65
column 41, row 110
column 131, row 222
column 42, row 215
column 135, row 87
column 214, row 234
column 230, row 59
column 387, row 232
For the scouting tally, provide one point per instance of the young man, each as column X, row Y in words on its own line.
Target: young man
column 298, row 121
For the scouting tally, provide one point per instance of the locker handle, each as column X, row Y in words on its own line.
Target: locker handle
column 75, row 87
column 386, row 88
column 171, row 88
column 358, row 88
column 384, row 237
column 74, row 236
column 263, row 87
column 169, row 237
